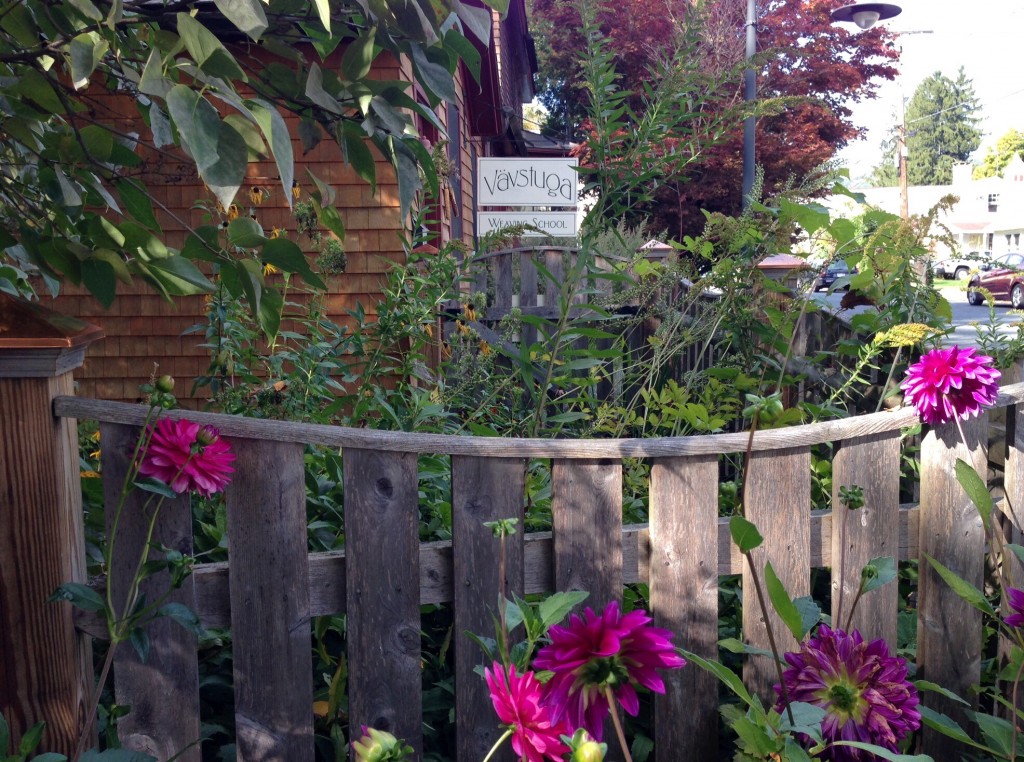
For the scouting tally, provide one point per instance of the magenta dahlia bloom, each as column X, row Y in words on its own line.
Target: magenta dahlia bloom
column 947, row 384
column 186, row 456
column 1015, row 600
column 862, row 688
column 594, row 653
column 517, row 701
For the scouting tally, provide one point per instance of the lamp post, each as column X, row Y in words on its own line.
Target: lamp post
column 864, row 15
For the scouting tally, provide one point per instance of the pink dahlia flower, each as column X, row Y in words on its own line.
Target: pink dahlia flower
column 517, row 701
column 947, row 384
column 188, row 457
column 1015, row 600
column 598, row 652
column 862, row 688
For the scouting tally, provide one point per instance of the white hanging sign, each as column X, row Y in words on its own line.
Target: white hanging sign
column 527, row 182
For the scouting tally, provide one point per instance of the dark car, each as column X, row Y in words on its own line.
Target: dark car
column 1003, row 277
column 836, row 270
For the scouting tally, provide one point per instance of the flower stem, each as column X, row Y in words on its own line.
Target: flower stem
column 842, row 563
column 497, row 744
column 771, row 636
column 613, row 710
column 90, row 717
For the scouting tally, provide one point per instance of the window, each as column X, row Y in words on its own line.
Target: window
column 991, row 239
column 993, row 202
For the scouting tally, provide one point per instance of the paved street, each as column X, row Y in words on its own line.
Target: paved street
column 964, row 315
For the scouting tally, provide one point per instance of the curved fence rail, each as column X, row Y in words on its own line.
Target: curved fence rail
column 271, row 586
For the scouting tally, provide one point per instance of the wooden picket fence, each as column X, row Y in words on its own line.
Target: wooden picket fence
column 272, row 587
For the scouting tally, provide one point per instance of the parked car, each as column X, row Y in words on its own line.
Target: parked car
column 955, row 268
column 1003, row 277
column 833, row 272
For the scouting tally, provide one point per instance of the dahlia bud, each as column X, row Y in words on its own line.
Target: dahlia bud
column 586, row 749
column 379, row 746
column 165, row 384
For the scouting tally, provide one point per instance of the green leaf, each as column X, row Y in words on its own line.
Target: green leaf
column 943, row 724
column 270, row 311
column 744, row 534
column 136, row 202
column 408, row 182
column 323, row 9
column 86, row 51
column 782, row 603
column 330, row 218
column 996, row 731
column 885, row 753
column 207, row 50
column 807, row 719
column 513, row 614
column 153, row 81
column 155, row 486
column 810, row 612
column 35, row 87
column 927, row 685
column 357, row 153
column 287, row 256
column 245, row 233
column 183, row 615
column 5, row 735
column 358, row 56
column 91, row 12
column 275, row 131
column 975, row 488
column 556, row 607
column 641, row 748
column 737, row 646
column 197, row 123
column 98, row 277
column 962, row 587
column 477, row 19
column 31, row 739
column 247, row 15
column 436, row 78
column 794, row 752
column 754, row 738
column 49, row 757
column 139, row 639
column 80, row 596
column 316, row 93
column 878, row 572
column 225, row 176
column 180, row 276
column 723, row 673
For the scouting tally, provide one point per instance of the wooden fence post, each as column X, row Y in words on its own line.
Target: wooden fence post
column 45, row 666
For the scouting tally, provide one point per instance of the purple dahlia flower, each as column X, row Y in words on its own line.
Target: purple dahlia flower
column 597, row 652
column 1015, row 600
column 862, row 688
column 951, row 383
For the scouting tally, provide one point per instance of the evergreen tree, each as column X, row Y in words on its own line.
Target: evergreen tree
column 997, row 158
column 942, row 129
column 886, row 173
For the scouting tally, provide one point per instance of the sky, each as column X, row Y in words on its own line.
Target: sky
column 983, row 36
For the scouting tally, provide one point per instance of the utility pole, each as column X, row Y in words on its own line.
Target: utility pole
column 903, row 154
column 749, row 94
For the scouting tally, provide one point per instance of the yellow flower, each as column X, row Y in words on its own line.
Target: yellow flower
column 429, row 330
column 219, row 207
column 233, row 212
column 446, row 350
column 469, row 311
column 904, row 335
column 269, row 269
column 277, row 232
column 95, row 454
column 296, row 190
column 485, row 348
column 89, row 475
column 258, row 195
column 95, row 436
column 320, row 708
column 461, row 327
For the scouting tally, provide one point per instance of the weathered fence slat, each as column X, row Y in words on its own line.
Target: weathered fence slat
column 1010, row 523
column 872, row 463
column 269, row 585
column 778, row 502
column 949, row 628
column 684, row 599
column 503, row 282
column 163, row 693
column 586, row 519
column 554, row 263
column 483, row 490
column 382, row 578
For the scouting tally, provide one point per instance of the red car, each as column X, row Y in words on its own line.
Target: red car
column 1003, row 277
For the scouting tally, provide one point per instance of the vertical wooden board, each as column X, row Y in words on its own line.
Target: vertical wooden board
column 383, row 593
column 527, row 280
column 163, row 693
column 1011, row 525
column 269, row 586
column 951, row 532
column 684, row 599
column 779, row 504
column 872, row 463
column 554, row 265
column 46, row 671
column 503, row 281
column 586, row 522
column 483, row 490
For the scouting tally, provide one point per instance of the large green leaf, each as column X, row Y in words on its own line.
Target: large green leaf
column 877, row 573
column 962, row 587
column 153, row 81
column 435, row 77
column 247, row 15
column 323, row 9
column 357, row 153
column 287, row 256
column 316, row 93
column 556, row 607
column 782, row 603
column 744, row 534
column 245, row 233
column 975, row 488
column 179, row 276
column 98, row 277
column 885, row 753
column 723, row 673
column 275, row 131
column 85, row 51
column 209, row 53
column 358, row 56
column 197, row 122
column 225, row 176
column 136, row 202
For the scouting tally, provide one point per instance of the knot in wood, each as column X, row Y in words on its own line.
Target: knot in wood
column 384, row 488
column 408, row 640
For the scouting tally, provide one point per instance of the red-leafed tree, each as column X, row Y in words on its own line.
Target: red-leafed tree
column 818, row 67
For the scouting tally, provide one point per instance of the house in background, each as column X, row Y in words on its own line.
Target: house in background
column 143, row 330
column 989, row 215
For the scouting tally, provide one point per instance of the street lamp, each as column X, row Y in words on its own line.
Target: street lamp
column 863, row 15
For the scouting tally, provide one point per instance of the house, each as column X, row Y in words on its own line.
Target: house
column 143, row 330
column 989, row 215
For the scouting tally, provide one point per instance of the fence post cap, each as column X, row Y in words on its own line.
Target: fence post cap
column 36, row 341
